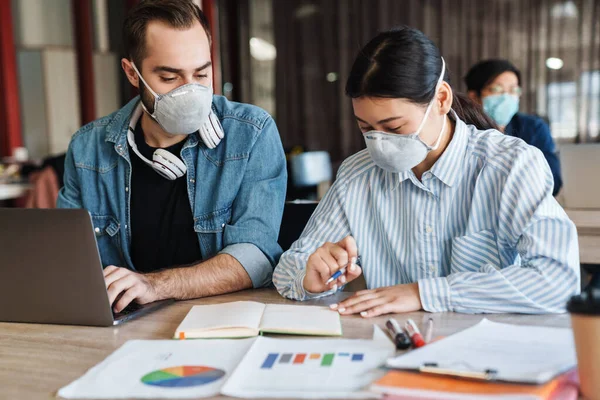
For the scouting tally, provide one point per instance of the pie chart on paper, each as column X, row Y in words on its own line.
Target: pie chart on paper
column 184, row 376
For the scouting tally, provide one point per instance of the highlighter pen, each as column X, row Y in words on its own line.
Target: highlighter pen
column 401, row 339
column 342, row 271
column 429, row 331
column 414, row 333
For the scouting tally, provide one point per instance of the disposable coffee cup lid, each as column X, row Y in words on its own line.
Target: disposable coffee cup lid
column 587, row 302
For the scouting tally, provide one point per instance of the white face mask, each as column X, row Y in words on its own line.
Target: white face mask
column 183, row 110
column 400, row 153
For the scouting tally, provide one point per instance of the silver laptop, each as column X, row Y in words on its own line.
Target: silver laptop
column 50, row 270
column 580, row 165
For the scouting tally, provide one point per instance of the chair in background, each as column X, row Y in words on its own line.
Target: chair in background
column 45, row 181
column 44, row 189
column 580, row 171
column 295, row 217
column 580, row 196
column 310, row 174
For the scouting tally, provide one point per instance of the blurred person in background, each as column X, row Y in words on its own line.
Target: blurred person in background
column 496, row 85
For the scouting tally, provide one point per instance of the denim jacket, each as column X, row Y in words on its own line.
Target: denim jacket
column 237, row 190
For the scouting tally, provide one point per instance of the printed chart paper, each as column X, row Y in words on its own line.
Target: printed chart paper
column 310, row 368
column 161, row 369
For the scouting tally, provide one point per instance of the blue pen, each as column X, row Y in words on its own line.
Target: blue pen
column 342, row 271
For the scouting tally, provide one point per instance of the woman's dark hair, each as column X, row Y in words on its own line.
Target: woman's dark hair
column 484, row 72
column 403, row 63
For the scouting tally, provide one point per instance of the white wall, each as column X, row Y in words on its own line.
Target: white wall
column 48, row 76
column 62, row 98
column 100, row 17
column 41, row 23
column 33, row 103
column 107, row 68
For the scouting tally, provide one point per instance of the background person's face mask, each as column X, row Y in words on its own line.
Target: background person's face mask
column 501, row 107
column 183, row 110
column 398, row 152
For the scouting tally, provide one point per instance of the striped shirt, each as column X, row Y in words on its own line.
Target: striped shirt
column 481, row 233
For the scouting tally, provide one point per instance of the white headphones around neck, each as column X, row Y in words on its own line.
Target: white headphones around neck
column 163, row 162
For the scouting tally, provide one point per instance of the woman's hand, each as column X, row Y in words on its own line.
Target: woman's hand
column 386, row 300
column 326, row 261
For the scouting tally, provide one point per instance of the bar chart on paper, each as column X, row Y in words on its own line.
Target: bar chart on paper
column 317, row 359
column 308, row 368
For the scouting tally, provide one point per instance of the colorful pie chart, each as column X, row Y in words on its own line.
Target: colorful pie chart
column 185, row 376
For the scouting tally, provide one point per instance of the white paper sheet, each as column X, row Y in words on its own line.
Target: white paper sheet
column 527, row 354
column 330, row 368
column 123, row 373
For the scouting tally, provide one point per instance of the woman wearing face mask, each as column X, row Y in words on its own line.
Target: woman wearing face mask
column 446, row 213
column 496, row 85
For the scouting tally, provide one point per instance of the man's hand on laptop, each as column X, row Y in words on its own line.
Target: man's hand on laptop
column 127, row 286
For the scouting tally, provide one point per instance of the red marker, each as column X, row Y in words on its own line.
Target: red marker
column 414, row 333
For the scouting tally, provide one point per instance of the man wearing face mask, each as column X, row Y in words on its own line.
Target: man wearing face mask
column 496, row 85
column 185, row 189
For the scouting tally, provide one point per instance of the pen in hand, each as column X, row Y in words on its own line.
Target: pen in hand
column 342, row 271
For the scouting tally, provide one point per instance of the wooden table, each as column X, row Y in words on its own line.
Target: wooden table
column 588, row 230
column 37, row 360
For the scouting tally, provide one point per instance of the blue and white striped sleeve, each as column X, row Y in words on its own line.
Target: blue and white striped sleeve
column 327, row 224
column 531, row 223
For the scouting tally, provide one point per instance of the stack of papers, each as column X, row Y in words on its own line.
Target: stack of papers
column 410, row 385
column 522, row 354
column 525, row 362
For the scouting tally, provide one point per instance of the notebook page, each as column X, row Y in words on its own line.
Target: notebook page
column 308, row 320
column 240, row 314
column 528, row 354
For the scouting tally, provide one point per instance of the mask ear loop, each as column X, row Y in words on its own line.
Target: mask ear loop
column 437, row 143
column 156, row 96
column 429, row 107
column 142, row 78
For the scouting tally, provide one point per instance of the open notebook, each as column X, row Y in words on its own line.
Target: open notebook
column 248, row 318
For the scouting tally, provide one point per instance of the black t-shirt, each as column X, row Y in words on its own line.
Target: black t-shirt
column 162, row 224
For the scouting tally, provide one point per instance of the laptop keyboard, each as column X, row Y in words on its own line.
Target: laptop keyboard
column 132, row 307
